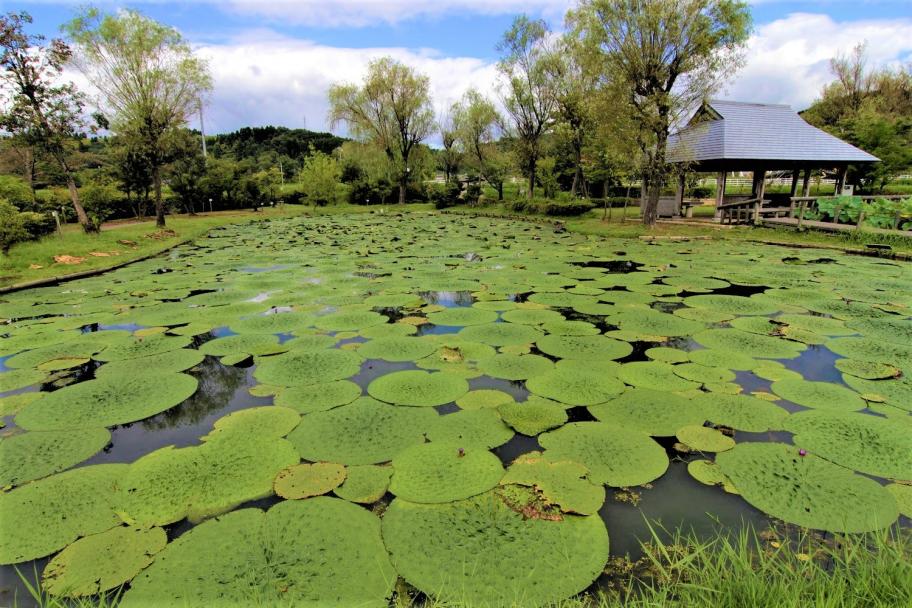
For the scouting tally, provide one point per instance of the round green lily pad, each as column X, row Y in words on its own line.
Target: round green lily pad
column 696, row 372
column 365, row 431
column 134, row 348
column 653, row 322
column 444, row 472
column 533, row 316
column 14, row 403
column 107, row 401
column 388, row 330
column 37, row 454
column 668, row 355
column 866, row 349
column 481, row 427
column 95, row 564
column 462, row 316
column 706, row 472
column 483, row 398
column 500, row 334
column 265, row 421
column 748, row 344
column 867, row 370
column 244, row 344
column 861, row 442
column 172, row 361
column 318, row 397
column 575, row 387
column 712, row 357
column 736, row 305
column 822, row 395
column 479, row 551
column 903, row 495
column 515, row 367
column 350, row 320
column 366, row 483
column 654, row 375
column 807, row 490
column 564, row 483
column 306, row 480
column 656, row 413
column 533, row 416
column 615, row 456
column 321, row 551
column 279, row 323
column 704, row 439
column 44, row 516
column 299, row 368
column 14, row 379
column 418, row 388
column 397, row 349
column 584, row 347
column 742, row 412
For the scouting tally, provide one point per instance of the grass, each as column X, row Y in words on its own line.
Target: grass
column 787, row 569
column 34, row 260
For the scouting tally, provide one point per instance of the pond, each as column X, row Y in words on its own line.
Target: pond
column 308, row 409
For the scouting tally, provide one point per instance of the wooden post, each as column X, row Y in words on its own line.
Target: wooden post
column 794, row 182
column 721, row 179
column 840, row 179
column 806, row 188
column 801, row 213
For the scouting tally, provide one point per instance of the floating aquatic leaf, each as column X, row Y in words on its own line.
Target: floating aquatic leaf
column 706, row 472
column 20, row 378
column 471, row 427
column 178, row 360
column 365, row 483
column 515, row 367
column 584, row 347
column 249, row 557
column 444, row 472
column 751, row 345
column 107, row 401
column 654, row 375
column 696, row 372
column 533, row 416
column 397, row 349
column 350, row 320
column 483, row 398
column 101, row 562
column 807, row 490
column 418, row 388
column 668, row 355
column 244, row 344
column 822, row 395
column 868, row 370
column 736, row 305
column 12, row 404
column 41, row 517
column 300, row 368
column 134, row 348
column 532, row 316
column 501, row 334
column 481, row 552
column 306, row 480
column 615, row 456
column 861, row 442
column 318, row 397
column 903, row 495
column 867, row 349
column 575, row 386
column 365, row 431
column 564, row 484
column 897, row 392
column 462, row 316
column 704, row 439
column 279, row 323
column 37, row 454
column 655, row 323
column 267, row 421
column 712, row 357
column 656, row 413
column 741, row 412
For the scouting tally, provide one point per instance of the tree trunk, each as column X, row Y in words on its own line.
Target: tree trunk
column 651, row 211
column 500, row 190
column 532, row 164
column 87, row 225
column 159, row 203
column 403, row 185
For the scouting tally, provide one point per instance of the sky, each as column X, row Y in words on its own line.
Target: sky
column 274, row 60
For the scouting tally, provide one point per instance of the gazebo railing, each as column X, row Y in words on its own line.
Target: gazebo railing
column 801, row 205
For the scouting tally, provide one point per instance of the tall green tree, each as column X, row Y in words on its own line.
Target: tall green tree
column 40, row 109
column 390, row 109
column 666, row 56
column 478, row 127
column 147, row 77
column 450, row 156
column 527, row 94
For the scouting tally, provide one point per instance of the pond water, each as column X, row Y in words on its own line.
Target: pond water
column 615, row 346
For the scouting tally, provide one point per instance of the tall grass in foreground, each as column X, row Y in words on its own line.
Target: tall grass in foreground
column 730, row 570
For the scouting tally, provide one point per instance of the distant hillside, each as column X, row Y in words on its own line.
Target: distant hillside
column 252, row 142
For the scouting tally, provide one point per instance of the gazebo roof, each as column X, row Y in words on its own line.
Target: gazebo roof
column 737, row 135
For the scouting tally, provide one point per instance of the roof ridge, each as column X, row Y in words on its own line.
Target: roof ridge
column 749, row 103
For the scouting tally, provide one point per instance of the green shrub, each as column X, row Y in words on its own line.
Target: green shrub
column 445, row 195
column 38, row 224
column 542, row 206
column 12, row 226
column 99, row 201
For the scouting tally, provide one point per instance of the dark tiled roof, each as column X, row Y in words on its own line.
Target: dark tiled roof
column 728, row 130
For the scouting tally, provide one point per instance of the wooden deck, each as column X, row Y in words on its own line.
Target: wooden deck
column 793, row 222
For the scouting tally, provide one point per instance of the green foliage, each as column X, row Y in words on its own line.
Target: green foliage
column 37, row 454
column 564, row 484
column 551, row 207
column 320, row 179
column 418, row 388
column 306, row 480
column 443, row 472
column 365, row 483
column 12, row 226
column 99, row 200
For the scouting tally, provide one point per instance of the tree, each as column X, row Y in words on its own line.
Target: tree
column 391, row 109
column 188, row 171
column 526, row 93
column 147, row 77
column 12, row 226
column 320, row 178
column 41, row 110
column 666, row 56
column 477, row 126
column 450, row 156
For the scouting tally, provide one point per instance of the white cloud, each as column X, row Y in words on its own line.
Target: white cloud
column 360, row 13
column 788, row 59
column 267, row 79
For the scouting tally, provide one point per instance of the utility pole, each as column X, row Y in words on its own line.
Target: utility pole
column 202, row 130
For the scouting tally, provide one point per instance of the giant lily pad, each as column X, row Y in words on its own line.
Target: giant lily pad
column 865, row 443
column 366, row 483
column 564, row 484
column 656, row 413
column 101, row 562
column 751, row 345
column 134, row 348
column 653, row 322
column 350, row 320
column 365, row 431
column 575, row 387
column 318, row 397
column 299, row 368
column 306, row 480
column 500, row 334
column 807, row 490
column 397, row 349
column 704, row 439
column 321, row 551
column 444, row 472
column 418, row 388
column 614, row 455
column 462, row 316
column 244, row 344
column 822, row 395
column 654, row 375
column 741, row 412
column 515, row 367
column 479, row 551
column 533, row 416
column 37, row 454
column 584, row 347
column 482, row 427
column 41, row 517
column 178, row 360
column 107, row 401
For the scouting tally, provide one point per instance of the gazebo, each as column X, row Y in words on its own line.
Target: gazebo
column 734, row 136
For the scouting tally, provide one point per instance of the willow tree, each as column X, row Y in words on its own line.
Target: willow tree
column 146, row 76
column 526, row 93
column 667, row 56
column 41, row 110
column 391, row 109
column 478, row 126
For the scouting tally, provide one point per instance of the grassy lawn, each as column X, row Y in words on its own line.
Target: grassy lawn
column 35, row 260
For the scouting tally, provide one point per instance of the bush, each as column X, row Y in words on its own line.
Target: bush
column 472, row 193
column 702, row 192
column 12, row 226
column 99, row 201
column 38, row 225
column 542, row 206
column 445, row 195
column 370, row 192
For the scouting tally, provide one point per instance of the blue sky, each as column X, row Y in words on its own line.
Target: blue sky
column 274, row 60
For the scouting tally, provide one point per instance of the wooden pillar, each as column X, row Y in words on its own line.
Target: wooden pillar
column 679, row 195
column 721, row 178
column 759, row 184
column 806, row 187
column 840, row 179
column 794, row 182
